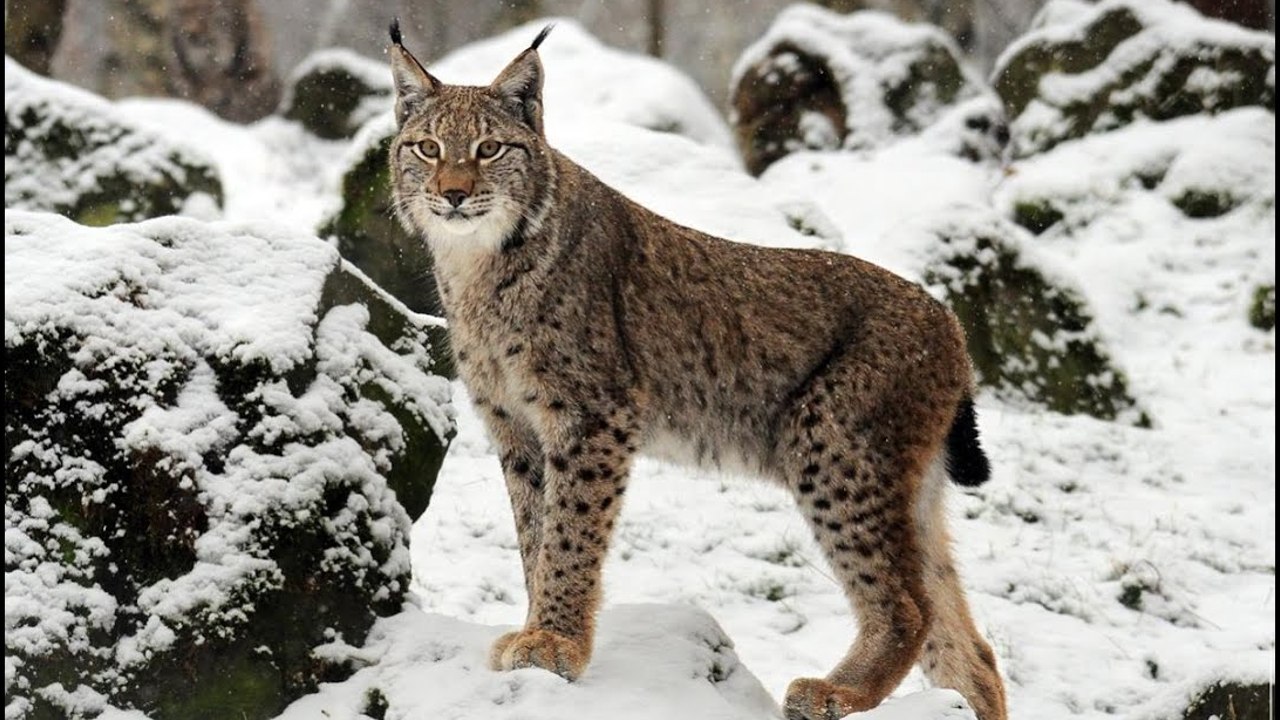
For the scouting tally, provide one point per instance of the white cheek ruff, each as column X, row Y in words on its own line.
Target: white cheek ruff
column 458, row 244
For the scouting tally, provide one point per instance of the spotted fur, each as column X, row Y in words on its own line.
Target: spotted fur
column 588, row 329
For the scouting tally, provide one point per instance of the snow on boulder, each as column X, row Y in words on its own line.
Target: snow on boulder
column 819, row 80
column 217, row 437
column 651, row 662
column 1176, row 215
column 1091, row 68
column 335, row 91
column 71, row 152
column 1030, row 333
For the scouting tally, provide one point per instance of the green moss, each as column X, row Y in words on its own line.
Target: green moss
column 1262, row 311
column 1027, row 336
column 241, row 684
column 1205, row 203
column 1131, row 596
column 98, row 214
column 372, row 239
column 1036, row 215
column 375, row 704
column 327, row 99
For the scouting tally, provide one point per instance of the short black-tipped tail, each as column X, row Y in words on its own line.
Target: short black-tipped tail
column 394, row 31
column 966, row 462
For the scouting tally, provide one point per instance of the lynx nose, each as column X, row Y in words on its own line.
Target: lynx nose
column 455, row 197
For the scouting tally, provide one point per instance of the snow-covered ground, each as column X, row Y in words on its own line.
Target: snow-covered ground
column 1116, row 569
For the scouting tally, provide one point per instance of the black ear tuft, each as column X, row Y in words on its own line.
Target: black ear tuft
column 395, row 31
column 542, row 36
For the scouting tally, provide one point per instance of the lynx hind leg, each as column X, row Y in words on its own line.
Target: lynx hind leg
column 955, row 655
column 855, row 483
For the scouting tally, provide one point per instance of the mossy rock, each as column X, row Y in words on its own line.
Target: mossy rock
column 819, row 80
column 69, row 152
column 1109, row 65
column 367, row 232
column 334, row 92
column 1232, row 700
column 217, row 438
column 1262, row 308
column 1199, row 203
column 1029, row 337
column 1037, row 215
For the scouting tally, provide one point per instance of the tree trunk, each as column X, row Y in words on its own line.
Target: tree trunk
column 210, row 52
column 222, row 58
column 31, row 32
column 657, row 27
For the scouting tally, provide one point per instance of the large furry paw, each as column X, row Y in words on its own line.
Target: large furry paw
column 816, row 699
column 566, row 657
column 500, row 646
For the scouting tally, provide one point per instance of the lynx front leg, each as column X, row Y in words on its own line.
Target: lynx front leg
column 585, row 480
column 523, row 470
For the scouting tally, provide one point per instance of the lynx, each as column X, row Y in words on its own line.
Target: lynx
column 588, row 329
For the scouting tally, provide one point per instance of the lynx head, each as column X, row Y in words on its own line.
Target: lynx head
column 470, row 166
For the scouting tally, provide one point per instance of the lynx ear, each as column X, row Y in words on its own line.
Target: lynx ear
column 414, row 85
column 519, row 85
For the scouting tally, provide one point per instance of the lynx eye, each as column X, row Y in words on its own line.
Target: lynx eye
column 427, row 150
column 488, row 149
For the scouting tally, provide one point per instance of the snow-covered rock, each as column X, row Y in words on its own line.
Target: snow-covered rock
column 73, row 153
column 819, row 80
column 1173, row 219
column 650, row 661
column 217, row 438
column 1030, row 333
column 335, row 91
column 1091, row 68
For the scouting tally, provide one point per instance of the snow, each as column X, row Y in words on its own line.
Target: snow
column 1178, row 520
column 206, row 288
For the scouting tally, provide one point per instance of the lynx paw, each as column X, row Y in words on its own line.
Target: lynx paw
column 499, row 647
column 561, row 655
column 815, row 699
